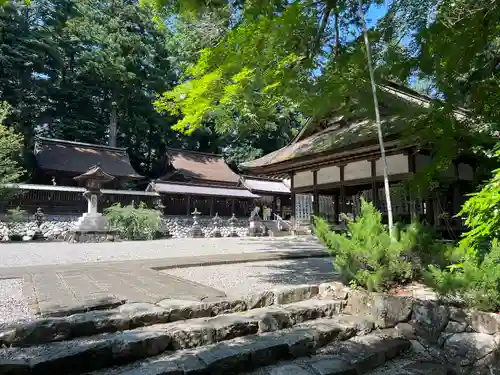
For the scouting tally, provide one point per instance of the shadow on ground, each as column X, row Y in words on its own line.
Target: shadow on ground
column 298, row 271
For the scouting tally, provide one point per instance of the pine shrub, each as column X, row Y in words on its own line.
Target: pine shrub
column 475, row 281
column 368, row 257
column 134, row 223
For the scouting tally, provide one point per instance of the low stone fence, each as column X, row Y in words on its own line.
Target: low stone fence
column 466, row 341
column 56, row 228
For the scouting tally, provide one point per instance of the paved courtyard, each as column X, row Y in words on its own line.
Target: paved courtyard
column 60, row 278
column 35, row 254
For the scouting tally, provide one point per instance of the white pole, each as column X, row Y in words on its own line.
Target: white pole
column 377, row 118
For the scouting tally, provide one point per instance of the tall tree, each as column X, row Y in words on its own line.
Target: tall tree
column 10, row 152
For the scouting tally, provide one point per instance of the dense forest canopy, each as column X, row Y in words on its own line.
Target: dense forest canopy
column 84, row 70
column 311, row 58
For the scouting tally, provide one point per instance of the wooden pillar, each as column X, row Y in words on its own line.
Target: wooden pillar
column 456, row 193
column 342, row 192
column 336, row 207
column 412, row 168
column 212, row 206
column 233, row 202
column 294, row 214
column 188, row 205
column 315, row 194
column 374, row 183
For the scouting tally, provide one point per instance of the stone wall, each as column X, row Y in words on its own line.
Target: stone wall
column 57, row 227
column 466, row 341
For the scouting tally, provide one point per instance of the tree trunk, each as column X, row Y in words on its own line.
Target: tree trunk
column 113, row 121
column 377, row 118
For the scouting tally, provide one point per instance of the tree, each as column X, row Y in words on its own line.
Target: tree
column 10, row 151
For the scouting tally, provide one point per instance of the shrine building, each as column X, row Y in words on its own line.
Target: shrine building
column 335, row 161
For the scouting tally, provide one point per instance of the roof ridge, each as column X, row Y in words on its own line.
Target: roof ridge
column 75, row 143
column 196, row 152
column 158, row 181
column 271, row 179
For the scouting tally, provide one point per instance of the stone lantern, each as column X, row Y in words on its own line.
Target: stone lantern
column 195, row 231
column 216, row 222
column 39, row 217
column 232, row 228
column 93, row 179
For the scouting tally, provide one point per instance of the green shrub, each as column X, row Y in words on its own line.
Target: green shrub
column 368, row 257
column 475, row 281
column 16, row 215
column 134, row 223
column 324, row 234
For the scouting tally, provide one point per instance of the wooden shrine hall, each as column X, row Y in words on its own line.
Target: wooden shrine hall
column 334, row 162
column 204, row 181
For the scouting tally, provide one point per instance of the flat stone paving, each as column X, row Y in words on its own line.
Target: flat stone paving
column 86, row 279
column 45, row 253
column 60, row 293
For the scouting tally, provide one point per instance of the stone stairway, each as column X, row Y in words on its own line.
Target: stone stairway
column 296, row 331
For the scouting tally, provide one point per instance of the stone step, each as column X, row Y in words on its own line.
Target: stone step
column 289, row 352
column 135, row 315
column 356, row 356
column 108, row 349
column 249, row 352
column 406, row 367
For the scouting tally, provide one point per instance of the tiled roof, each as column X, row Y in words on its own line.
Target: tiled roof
column 333, row 138
column 256, row 184
column 181, row 188
column 77, row 157
column 201, row 166
column 341, row 133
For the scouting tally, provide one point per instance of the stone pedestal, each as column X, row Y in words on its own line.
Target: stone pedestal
column 92, row 220
column 256, row 229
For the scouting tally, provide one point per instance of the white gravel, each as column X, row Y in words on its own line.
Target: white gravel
column 33, row 254
column 245, row 278
column 13, row 306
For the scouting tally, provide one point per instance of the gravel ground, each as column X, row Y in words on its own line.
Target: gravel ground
column 35, row 254
column 13, row 307
column 245, row 278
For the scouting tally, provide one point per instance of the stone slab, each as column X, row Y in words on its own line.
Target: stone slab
column 197, row 322
column 60, row 293
column 219, row 352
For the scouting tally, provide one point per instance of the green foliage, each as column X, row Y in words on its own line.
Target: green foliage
column 16, row 215
column 134, row 223
column 475, row 281
column 482, row 215
column 11, row 145
column 367, row 256
column 323, row 232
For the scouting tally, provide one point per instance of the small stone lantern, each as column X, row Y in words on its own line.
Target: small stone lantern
column 93, row 180
column 216, row 221
column 38, row 216
column 195, row 231
column 232, row 229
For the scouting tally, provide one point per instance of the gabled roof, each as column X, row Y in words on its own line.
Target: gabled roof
column 197, row 189
column 77, row 157
column 335, row 137
column 336, row 133
column 264, row 185
column 201, row 166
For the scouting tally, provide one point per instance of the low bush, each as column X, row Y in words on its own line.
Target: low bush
column 134, row 223
column 368, row 257
column 324, row 234
column 475, row 281
column 16, row 215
